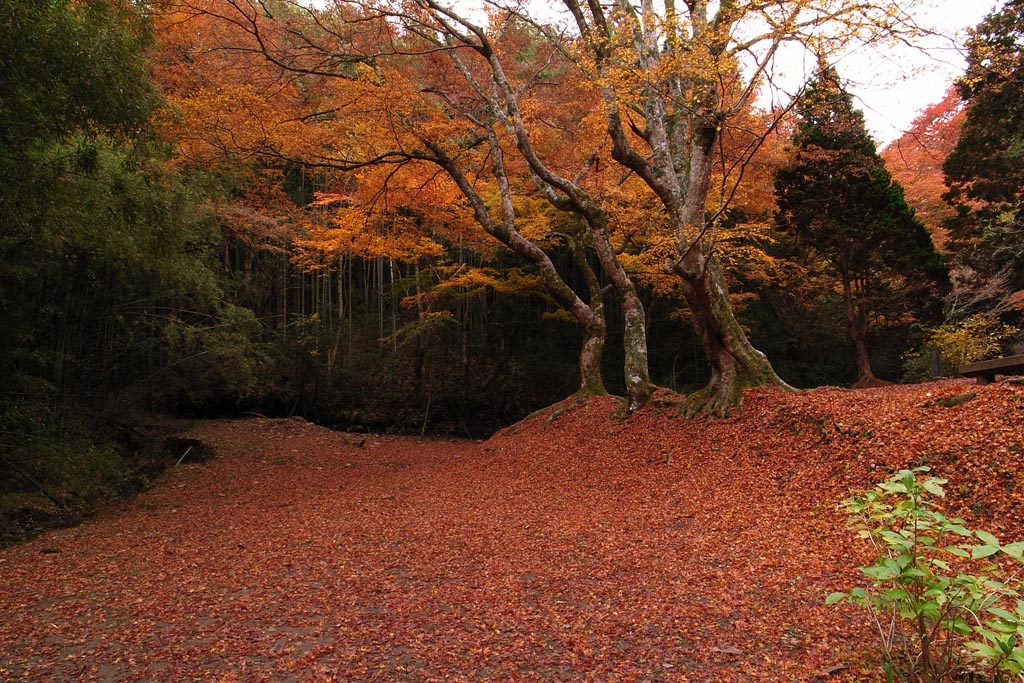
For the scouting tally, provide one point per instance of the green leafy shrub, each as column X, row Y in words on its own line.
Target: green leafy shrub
column 55, row 466
column 217, row 359
column 976, row 338
column 936, row 622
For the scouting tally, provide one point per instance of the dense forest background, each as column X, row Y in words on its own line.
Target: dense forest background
column 176, row 240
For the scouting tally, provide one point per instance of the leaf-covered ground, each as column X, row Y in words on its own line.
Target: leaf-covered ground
column 571, row 547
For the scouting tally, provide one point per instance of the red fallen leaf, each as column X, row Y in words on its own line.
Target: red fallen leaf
column 558, row 550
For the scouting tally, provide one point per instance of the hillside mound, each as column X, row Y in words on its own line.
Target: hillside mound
column 573, row 546
column 823, row 443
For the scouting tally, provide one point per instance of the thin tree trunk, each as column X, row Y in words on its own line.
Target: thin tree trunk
column 380, row 301
column 339, row 320
column 284, row 297
column 394, row 309
column 639, row 387
column 505, row 107
column 419, row 291
column 590, row 323
column 350, row 307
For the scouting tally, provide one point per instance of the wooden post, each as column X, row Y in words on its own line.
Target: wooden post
column 936, row 364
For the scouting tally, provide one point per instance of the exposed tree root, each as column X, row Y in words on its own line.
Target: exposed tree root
column 723, row 394
column 634, row 402
column 562, row 410
column 715, row 400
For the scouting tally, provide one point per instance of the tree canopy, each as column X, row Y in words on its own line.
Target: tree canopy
column 370, row 194
column 984, row 171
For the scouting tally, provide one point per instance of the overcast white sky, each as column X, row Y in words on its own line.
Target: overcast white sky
column 892, row 88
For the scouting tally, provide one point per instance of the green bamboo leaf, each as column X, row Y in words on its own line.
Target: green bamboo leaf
column 986, row 651
column 930, row 609
column 880, row 573
column 961, row 627
column 1015, row 550
column 1003, row 614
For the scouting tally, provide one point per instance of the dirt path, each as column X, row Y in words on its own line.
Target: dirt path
column 584, row 550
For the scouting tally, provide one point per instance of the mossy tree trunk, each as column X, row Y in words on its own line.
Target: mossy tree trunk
column 639, row 387
column 593, row 326
column 734, row 361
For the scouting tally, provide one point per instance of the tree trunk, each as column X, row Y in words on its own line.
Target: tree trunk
column 589, row 318
column 593, row 327
column 639, row 387
column 284, row 297
column 591, row 355
column 865, row 376
column 857, row 326
column 735, row 363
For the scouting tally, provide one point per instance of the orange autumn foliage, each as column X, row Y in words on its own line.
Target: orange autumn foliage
column 915, row 161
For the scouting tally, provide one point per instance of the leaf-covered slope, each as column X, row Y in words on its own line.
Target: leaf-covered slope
column 572, row 546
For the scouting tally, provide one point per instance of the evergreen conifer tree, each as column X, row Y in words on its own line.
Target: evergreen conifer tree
column 837, row 198
column 984, row 172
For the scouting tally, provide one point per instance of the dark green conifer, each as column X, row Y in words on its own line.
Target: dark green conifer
column 837, row 198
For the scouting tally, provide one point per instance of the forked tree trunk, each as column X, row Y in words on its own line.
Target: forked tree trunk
column 735, row 363
column 505, row 106
column 593, row 327
column 639, row 387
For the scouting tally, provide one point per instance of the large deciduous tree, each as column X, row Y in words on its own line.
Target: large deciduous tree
column 915, row 160
column 507, row 93
column 672, row 79
column 414, row 113
column 837, row 198
column 666, row 81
